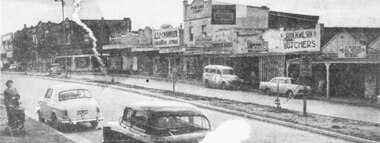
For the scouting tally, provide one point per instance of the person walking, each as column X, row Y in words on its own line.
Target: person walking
column 9, row 94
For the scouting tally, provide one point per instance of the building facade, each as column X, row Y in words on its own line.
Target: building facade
column 249, row 39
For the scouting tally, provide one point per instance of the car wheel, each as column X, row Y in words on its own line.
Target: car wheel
column 290, row 94
column 267, row 92
column 54, row 122
column 42, row 120
column 207, row 84
column 94, row 124
column 223, row 85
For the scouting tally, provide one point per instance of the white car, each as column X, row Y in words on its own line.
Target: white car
column 68, row 104
column 219, row 76
column 286, row 86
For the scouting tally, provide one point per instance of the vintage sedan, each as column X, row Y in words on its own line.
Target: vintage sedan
column 285, row 85
column 68, row 104
column 158, row 122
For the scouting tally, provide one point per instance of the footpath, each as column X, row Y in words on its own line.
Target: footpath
column 354, row 109
column 36, row 132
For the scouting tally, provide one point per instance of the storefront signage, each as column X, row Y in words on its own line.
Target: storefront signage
column 202, row 38
column 224, row 36
column 221, row 45
column 306, row 40
column 223, row 14
column 352, row 52
column 256, row 47
column 166, row 37
column 301, row 40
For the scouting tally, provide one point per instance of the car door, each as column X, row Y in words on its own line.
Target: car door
column 44, row 109
column 282, row 86
column 273, row 85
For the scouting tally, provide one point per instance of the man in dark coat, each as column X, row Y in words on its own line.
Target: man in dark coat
column 10, row 93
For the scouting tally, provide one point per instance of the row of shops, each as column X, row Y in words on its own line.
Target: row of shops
column 255, row 42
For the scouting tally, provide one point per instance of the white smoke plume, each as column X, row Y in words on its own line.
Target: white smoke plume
column 231, row 131
column 77, row 20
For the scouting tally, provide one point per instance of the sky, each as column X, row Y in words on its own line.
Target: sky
column 154, row 13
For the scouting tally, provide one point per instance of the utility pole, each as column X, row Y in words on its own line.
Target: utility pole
column 277, row 101
column 64, row 34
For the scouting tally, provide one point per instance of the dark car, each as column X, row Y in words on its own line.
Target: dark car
column 158, row 121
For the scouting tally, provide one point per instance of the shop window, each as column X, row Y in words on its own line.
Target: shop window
column 191, row 36
column 204, row 34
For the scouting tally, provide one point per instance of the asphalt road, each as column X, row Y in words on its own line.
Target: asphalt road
column 112, row 102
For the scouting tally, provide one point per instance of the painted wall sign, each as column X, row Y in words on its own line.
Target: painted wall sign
column 166, row 37
column 352, row 52
column 224, row 36
column 223, row 14
column 256, row 46
column 306, row 40
column 300, row 40
column 197, row 8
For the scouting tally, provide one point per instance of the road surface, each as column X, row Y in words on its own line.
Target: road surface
column 112, row 101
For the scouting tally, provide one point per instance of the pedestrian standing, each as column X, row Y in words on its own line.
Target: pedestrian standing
column 9, row 94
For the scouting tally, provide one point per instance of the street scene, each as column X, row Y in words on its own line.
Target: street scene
column 207, row 71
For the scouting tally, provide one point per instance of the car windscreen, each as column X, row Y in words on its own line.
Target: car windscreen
column 172, row 125
column 228, row 71
column 73, row 94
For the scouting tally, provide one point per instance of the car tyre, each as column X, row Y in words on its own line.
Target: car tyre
column 54, row 122
column 290, row 94
column 223, row 85
column 40, row 118
column 94, row 124
column 207, row 84
column 268, row 92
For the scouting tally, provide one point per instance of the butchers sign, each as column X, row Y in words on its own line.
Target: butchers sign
column 166, row 37
column 301, row 40
column 352, row 52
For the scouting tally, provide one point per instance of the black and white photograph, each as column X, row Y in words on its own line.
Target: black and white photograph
column 190, row 71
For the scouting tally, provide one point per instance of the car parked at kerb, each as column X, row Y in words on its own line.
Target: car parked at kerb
column 68, row 104
column 158, row 122
column 285, row 85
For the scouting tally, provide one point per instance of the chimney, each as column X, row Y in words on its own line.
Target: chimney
column 185, row 3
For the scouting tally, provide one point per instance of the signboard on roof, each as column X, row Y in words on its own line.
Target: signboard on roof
column 352, row 52
column 166, row 37
column 223, row 14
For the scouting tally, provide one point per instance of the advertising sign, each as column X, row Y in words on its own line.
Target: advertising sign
column 223, row 14
column 352, row 52
column 256, row 46
column 166, row 37
column 301, row 40
column 306, row 40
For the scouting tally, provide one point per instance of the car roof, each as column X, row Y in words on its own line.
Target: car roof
column 67, row 86
column 280, row 77
column 166, row 106
column 218, row 66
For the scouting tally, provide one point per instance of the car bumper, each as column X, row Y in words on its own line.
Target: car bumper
column 69, row 121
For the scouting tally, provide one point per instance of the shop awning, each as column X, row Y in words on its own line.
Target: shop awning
column 370, row 59
column 116, row 47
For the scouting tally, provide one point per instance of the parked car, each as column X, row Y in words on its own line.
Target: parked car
column 68, row 104
column 158, row 121
column 55, row 69
column 219, row 76
column 286, row 86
